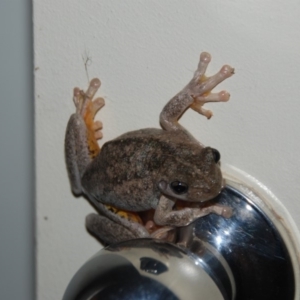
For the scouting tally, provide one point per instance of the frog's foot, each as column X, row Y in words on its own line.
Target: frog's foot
column 195, row 94
column 87, row 108
column 200, row 86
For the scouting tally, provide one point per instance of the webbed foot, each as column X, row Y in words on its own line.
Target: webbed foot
column 196, row 94
column 87, row 108
column 200, row 86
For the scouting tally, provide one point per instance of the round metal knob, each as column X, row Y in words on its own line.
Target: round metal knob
column 151, row 269
column 251, row 255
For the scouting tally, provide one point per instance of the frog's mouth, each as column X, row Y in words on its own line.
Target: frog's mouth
column 191, row 194
column 204, row 196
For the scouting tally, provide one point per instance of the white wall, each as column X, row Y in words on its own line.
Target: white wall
column 144, row 52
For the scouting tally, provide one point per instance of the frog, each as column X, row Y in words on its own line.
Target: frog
column 148, row 182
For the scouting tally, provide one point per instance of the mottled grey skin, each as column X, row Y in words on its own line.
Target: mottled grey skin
column 135, row 171
column 133, row 165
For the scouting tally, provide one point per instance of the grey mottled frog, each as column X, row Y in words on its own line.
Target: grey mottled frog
column 148, row 182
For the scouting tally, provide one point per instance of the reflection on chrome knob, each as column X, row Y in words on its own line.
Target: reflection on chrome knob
column 151, row 269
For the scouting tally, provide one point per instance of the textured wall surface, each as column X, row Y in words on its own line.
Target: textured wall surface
column 144, row 52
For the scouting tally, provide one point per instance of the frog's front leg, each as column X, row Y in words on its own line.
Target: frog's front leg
column 195, row 94
column 82, row 133
column 166, row 216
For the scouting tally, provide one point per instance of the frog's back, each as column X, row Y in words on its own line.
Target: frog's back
column 127, row 166
column 151, row 141
column 149, row 134
column 136, row 146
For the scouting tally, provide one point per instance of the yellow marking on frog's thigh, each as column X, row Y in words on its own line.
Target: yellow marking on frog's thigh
column 94, row 148
column 130, row 216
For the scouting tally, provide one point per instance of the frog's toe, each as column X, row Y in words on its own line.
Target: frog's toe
column 222, row 96
column 201, row 82
column 93, row 88
column 227, row 212
column 205, row 112
column 204, row 61
column 97, row 125
column 207, row 84
column 78, row 99
column 97, row 104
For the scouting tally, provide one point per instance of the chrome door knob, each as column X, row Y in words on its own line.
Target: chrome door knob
column 248, row 256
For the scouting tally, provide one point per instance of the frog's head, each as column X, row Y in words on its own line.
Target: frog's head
column 196, row 179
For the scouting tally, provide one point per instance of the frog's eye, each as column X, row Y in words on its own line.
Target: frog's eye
column 179, row 187
column 216, row 155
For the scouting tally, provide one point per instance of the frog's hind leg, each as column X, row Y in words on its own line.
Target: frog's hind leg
column 81, row 147
column 195, row 94
column 113, row 225
column 108, row 231
column 82, row 133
